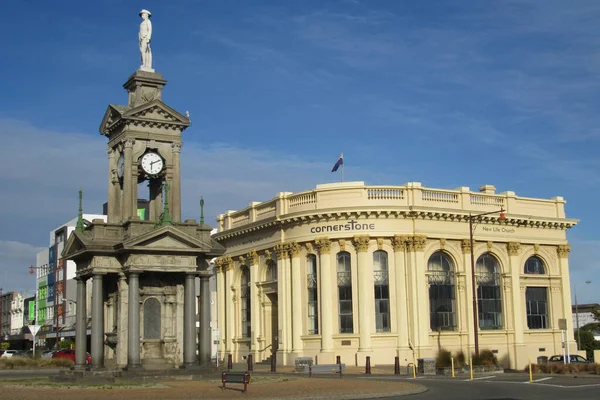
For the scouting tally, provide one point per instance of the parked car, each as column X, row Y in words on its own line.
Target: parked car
column 48, row 353
column 573, row 359
column 70, row 354
column 12, row 353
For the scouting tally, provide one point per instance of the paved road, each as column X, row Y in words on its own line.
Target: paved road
column 506, row 387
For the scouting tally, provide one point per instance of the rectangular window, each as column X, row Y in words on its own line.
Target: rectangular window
column 345, row 309
column 537, row 307
column 313, row 299
column 382, row 308
column 489, row 306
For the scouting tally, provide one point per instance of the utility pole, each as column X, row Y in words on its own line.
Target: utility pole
column 1, row 312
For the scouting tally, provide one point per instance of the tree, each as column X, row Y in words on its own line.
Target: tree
column 588, row 343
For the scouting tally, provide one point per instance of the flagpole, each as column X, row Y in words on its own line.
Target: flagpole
column 342, row 172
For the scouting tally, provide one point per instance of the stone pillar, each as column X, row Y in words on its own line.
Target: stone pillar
column 204, row 352
column 81, row 326
column 464, row 298
column 519, row 356
column 133, row 322
column 221, row 323
column 297, row 303
column 402, row 315
column 114, row 189
column 420, row 294
column 284, row 313
column 129, row 180
column 230, row 305
column 326, row 286
column 565, row 292
column 254, row 304
column 175, row 184
column 189, row 321
column 97, row 322
column 365, row 282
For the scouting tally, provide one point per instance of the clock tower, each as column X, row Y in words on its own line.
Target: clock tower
column 144, row 274
column 144, row 144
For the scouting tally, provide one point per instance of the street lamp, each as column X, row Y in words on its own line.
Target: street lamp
column 474, row 286
column 577, row 315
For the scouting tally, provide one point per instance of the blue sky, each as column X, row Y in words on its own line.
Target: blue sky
column 450, row 94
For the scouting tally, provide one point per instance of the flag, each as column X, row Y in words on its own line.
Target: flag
column 340, row 161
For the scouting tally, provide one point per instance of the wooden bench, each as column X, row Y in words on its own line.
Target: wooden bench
column 236, row 377
column 325, row 368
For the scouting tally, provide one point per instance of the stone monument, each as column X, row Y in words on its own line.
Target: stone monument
column 143, row 273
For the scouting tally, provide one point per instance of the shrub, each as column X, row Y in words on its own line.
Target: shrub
column 443, row 359
column 24, row 363
column 486, row 358
column 460, row 359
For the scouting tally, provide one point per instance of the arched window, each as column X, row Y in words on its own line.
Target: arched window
column 534, row 265
column 245, row 302
column 489, row 300
column 344, row 275
column 382, row 292
column 313, row 290
column 442, row 308
column 271, row 271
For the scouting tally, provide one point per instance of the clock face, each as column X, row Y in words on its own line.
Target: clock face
column 152, row 163
column 121, row 166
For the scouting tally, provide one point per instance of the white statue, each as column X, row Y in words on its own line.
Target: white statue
column 145, row 36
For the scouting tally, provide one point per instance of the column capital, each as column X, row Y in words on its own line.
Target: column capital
column 513, row 248
column 176, row 147
column 252, row 257
column 242, row 260
column 361, row 242
column 227, row 263
column 400, row 242
column 563, row 250
column 128, row 143
column 281, row 250
column 418, row 243
column 309, row 247
column 465, row 245
column 294, row 249
column 379, row 243
column 342, row 244
column 323, row 244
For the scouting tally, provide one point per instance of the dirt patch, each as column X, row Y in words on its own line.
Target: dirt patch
column 274, row 388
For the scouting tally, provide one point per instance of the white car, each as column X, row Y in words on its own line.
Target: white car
column 11, row 353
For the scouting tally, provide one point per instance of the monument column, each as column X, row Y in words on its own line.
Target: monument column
column 175, row 185
column 81, row 326
column 283, row 287
column 229, row 306
column 519, row 356
column 204, row 353
column 129, row 180
column 97, row 322
column 325, row 289
column 365, row 292
column 297, row 314
column 189, row 321
column 114, row 190
column 133, row 322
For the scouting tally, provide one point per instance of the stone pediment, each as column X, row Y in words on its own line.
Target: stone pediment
column 167, row 239
column 152, row 113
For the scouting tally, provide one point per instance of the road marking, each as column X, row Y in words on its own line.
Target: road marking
column 541, row 379
column 480, row 378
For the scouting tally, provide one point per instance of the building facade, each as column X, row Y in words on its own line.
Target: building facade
column 352, row 270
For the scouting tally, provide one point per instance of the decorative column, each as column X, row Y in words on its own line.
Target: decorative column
column 189, row 321
column 229, row 334
column 325, row 296
column 402, row 314
column 563, row 251
column 204, row 353
column 221, row 305
column 129, row 180
column 282, row 295
column 252, row 260
column 114, row 189
column 81, row 326
column 419, row 267
column 175, row 184
column 519, row 356
column 97, row 323
column 466, row 301
column 366, row 306
column 297, row 313
column 133, row 322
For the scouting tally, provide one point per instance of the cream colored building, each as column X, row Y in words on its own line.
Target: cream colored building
column 353, row 270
